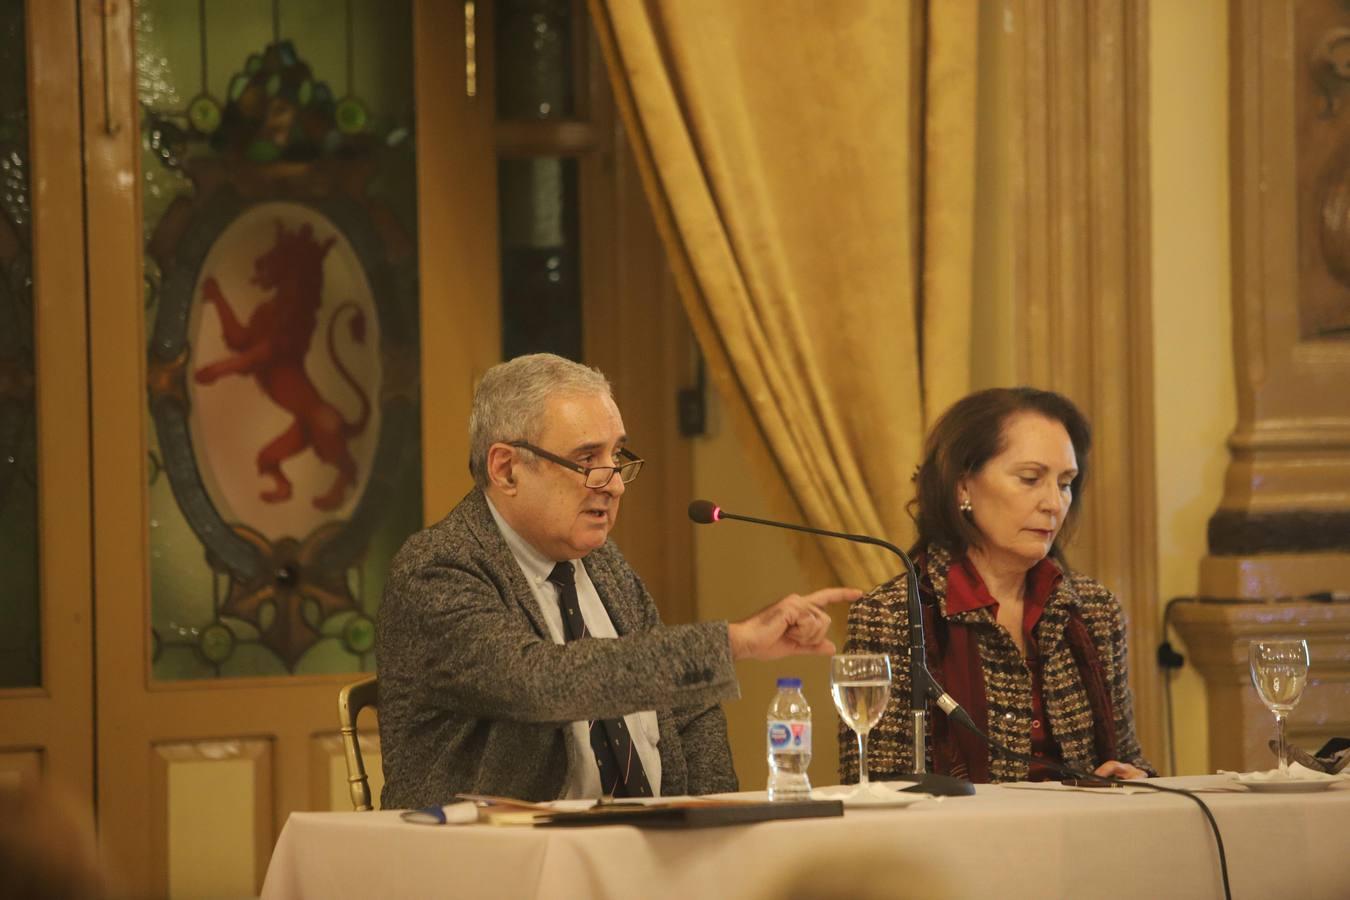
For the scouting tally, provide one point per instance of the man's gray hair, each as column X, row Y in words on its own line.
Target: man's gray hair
column 512, row 399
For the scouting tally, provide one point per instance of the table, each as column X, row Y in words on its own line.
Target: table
column 1004, row 842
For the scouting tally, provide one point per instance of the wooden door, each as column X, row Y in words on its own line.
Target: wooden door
column 46, row 705
column 214, row 135
column 220, row 152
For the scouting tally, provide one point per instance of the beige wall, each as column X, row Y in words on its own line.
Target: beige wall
column 1196, row 405
column 741, row 568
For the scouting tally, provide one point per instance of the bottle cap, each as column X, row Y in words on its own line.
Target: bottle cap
column 789, row 682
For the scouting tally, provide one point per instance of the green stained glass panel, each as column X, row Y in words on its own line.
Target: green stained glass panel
column 281, row 300
column 20, row 607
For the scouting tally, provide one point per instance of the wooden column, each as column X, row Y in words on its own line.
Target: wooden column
column 1283, row 526
column 1282, row 529
column 1240, row 727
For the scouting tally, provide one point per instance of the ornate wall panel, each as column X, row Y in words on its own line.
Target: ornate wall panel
column 1322, row 123
column 1283, row 526
column 231, row 779
column 1279, row 543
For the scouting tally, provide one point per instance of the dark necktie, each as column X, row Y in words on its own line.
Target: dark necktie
column 621, row 772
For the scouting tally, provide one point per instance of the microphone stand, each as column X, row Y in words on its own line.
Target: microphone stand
column 921, row 683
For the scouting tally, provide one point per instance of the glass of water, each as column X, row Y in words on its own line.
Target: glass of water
column 1279, row 673
column 861, row 685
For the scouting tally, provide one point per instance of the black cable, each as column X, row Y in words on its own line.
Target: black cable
column 1169, row 660
column 1213, row 825
column 958, row 715
column 1145, row 783
column 1167, row 717
column 1073, row 773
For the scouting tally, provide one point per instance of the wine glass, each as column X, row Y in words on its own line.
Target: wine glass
column 1279, row 672
column 861, row 685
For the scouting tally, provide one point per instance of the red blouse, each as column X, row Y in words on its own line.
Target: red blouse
column 966, row 591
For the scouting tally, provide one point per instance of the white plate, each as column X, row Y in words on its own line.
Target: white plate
column 879, row 795
column 1285, row 786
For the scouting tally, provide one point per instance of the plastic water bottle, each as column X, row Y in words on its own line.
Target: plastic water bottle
column 789, row 742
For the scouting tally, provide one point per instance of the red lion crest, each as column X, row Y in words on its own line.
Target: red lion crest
column 272, row 348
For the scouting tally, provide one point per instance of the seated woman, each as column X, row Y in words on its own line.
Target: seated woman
column 1034, row 651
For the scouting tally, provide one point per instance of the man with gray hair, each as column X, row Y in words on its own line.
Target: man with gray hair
column 519, row 654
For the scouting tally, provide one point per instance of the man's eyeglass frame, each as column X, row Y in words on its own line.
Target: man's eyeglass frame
column 627, row 472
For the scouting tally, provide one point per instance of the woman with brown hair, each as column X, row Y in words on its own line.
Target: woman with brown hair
column 1034, row 651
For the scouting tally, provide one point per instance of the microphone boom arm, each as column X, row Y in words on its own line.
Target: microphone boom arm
column 919, row 677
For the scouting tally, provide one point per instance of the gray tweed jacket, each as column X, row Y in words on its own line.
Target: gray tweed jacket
column 475, row 696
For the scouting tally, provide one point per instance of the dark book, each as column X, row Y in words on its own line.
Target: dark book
column 692, row 814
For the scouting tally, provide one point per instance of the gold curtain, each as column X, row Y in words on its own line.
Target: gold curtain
column 780, row 147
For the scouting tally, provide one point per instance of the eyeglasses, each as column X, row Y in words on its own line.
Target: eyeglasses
column 596, row 477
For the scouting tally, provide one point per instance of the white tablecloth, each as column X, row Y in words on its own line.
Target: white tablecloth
column 1004, row 842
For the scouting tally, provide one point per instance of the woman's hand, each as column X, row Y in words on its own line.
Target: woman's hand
column 1116, row 769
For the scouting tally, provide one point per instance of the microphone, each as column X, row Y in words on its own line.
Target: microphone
column 921, row 683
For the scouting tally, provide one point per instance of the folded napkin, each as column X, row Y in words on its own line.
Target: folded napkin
column 875, row 793
column 1334, row 756
column 1297, row 772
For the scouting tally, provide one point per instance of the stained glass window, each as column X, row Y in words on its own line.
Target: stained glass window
column 279, row 199
column 20, row 632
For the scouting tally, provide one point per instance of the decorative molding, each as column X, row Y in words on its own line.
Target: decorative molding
column 1234, row 533
column 1217, row 635
column 1281, row 528
column 1273, row 574
column 259, row 754
column 1287, row 489
column 1081, row 279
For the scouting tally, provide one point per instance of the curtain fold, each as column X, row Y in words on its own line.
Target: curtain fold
column 947, row 255
column 778, row 145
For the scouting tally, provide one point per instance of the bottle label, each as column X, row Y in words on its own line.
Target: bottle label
column 790, row 737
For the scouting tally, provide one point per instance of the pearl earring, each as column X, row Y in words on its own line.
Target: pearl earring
column 966, row 507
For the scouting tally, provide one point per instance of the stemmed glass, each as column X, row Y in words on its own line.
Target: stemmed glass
column 1279, row 672
column 861, row 685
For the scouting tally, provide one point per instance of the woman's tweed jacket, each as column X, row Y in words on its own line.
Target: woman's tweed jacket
column 474, row 694
column 878, row 623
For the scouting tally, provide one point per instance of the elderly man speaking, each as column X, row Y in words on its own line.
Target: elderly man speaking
column 519, row 654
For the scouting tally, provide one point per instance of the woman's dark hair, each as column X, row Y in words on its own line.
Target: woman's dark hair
column 968, row 435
